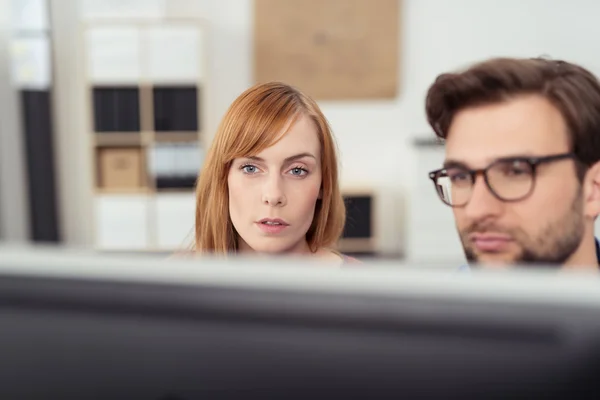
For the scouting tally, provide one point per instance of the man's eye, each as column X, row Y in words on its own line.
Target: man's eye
column 515, row 171
column 458, row 177
column 516, row 168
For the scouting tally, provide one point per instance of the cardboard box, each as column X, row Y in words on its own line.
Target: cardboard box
column 121, row 168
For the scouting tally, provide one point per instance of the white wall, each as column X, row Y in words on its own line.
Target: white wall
column 436, row 35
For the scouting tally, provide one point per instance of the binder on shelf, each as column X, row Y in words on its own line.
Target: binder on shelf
column 174, row 165
column 175, row 108
column 116, row 109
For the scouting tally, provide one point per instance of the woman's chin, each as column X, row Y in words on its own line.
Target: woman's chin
column 273, row 247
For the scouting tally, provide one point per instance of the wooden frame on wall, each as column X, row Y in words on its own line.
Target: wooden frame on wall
column 332, row 50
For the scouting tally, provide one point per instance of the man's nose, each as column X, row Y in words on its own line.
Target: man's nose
column 482, row 204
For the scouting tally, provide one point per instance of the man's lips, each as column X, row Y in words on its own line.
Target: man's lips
column 490, row 242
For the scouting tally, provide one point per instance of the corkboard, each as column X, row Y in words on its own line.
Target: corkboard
column 331, row 49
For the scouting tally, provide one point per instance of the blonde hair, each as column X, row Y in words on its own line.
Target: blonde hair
column 256, row 120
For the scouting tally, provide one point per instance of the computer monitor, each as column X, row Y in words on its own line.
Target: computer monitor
column 91, row 327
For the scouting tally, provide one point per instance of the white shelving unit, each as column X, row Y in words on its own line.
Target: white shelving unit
column 146, row 97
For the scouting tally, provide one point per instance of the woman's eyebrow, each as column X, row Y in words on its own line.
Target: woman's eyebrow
column 288, row 159
column 298, row 156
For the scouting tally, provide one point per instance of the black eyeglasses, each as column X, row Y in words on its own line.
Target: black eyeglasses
column 508, row 179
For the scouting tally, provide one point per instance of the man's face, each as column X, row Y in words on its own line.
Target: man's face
column 548, row 225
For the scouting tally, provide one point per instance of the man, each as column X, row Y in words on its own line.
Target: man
column 522, row 165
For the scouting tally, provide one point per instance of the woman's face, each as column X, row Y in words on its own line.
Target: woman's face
column 272, row 195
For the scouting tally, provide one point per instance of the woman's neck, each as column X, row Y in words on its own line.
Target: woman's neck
column 300, row 249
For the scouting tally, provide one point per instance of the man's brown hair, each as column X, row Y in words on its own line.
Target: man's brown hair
column 572, row 89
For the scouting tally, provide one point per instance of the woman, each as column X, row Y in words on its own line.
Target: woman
column 270, row 180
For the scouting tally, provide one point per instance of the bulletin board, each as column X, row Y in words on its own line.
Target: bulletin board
column 331, row 49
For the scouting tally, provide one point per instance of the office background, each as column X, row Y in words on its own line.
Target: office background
column 52, row 181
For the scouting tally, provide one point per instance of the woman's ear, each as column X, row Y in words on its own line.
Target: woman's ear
column 591, row 191
column 320, row 197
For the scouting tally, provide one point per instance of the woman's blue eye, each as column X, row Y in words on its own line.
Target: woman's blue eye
column 298, row 171
column 249, row 169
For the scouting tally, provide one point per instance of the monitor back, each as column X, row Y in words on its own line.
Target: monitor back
column 72, row 338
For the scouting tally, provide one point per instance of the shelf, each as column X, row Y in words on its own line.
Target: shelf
column 134, row 191
column 176, row 183
column 145, row 116
column 117, row 139
column 124, row 191
column 176, row 137
column 176, row 191
column 139, row 82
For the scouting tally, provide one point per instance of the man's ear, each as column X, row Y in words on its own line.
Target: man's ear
column 591, row 191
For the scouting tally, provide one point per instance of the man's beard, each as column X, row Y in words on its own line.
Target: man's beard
column 552, row 246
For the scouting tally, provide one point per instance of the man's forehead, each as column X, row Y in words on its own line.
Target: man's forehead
column 523, row 126
column 480, row 158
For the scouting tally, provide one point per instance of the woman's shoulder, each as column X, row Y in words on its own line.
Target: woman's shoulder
column 349, row 259
column 336, row 255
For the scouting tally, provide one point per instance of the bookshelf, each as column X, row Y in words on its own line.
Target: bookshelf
column 146, row 95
